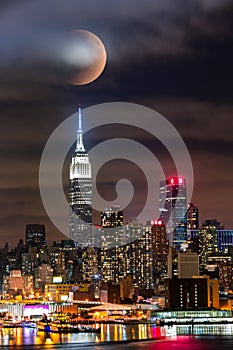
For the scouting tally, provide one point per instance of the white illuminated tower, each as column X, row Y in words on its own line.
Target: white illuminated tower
column 80, row 192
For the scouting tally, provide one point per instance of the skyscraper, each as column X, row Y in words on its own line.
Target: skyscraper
column 173, row 207
column 112, row 253
column 192, row 217
column 35, row 235
column 80, row 192
column 193, row 227
column 208, row 241
column 112, row 217
column 141, row 261
column 159, row 246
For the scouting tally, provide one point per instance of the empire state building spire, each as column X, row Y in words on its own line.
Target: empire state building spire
column 79, row 145
column 80, row 192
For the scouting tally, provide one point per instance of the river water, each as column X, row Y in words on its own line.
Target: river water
column 164, row 338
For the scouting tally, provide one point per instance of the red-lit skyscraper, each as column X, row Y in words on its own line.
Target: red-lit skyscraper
column 173, row 207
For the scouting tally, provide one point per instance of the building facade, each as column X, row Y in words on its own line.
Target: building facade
column 173, row 207
column 182, row 264
column 191, row 293
column 35, row 235
column 208, row 241
column 80, row 192
column 225, row 240
column 159, row 248
column 192, row 217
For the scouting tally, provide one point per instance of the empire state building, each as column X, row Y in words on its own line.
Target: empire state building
column 80, row 192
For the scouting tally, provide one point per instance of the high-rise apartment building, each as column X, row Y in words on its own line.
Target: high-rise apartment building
column 192, row 217
column 29, row 261
column 43, row 276
column 193, row 227
column 80, row 192
column 35, row 235
column 112, row 227
column 225, row 240
column 134, row 259
column 112, row 217
column 140, row 261
column 111, row 240
column 90, row 262
column 57, row 260
column 173, row 207
column 159, row 248
column 208, row 241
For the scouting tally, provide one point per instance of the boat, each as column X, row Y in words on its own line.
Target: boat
column 65, row 327
column 59, row 327
column 77, row 328
column 62, row 327
column 11, row 324
column 29, row 324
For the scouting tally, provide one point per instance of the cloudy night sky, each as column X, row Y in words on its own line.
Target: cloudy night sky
column 173, row 56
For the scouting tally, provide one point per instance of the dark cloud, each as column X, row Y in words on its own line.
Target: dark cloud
column 216, row 146
column 21, row 206
column 202, row 119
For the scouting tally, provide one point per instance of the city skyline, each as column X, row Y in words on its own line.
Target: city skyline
column 147, row 258
column 173, row 59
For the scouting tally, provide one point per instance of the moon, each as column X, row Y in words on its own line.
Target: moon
column 85, row 57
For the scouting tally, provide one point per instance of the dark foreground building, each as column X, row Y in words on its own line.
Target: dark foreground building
column 191, row 293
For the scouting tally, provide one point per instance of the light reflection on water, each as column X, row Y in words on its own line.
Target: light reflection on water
column 116, row 332
column 110, row 332
column 27, row 336
column 205, row 329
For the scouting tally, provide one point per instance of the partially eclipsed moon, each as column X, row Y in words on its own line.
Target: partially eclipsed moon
column 85, row 55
